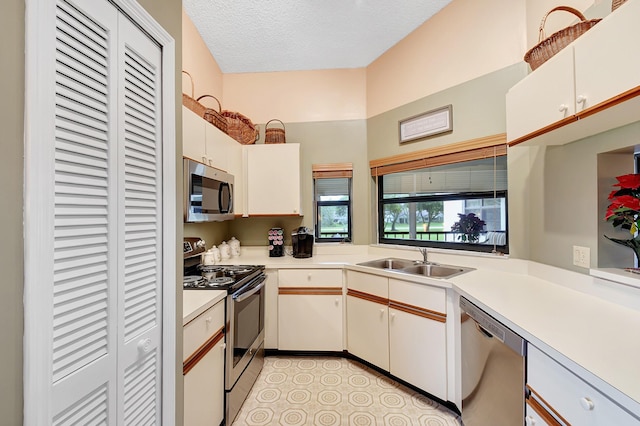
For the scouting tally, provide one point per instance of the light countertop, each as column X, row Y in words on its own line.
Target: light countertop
column 559, row 311
column 195, row 302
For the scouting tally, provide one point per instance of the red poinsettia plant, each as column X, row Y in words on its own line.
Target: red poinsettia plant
column 624, row 210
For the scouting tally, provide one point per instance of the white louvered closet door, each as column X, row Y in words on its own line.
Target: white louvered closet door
column 106, row 303
column 139, row 227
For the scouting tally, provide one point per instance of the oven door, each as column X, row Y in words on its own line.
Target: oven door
column 245, row 310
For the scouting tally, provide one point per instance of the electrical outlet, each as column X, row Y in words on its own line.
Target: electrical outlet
column 582, row 256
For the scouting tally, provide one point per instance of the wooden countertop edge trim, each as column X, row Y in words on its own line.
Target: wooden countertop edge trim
column 319, row 291
column 540, row 406
column 416, row 310
column 609, row 103
column 368, row 297
column 203, row 350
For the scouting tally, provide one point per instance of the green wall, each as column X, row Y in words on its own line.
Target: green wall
column 320, row 142
column 11, row 181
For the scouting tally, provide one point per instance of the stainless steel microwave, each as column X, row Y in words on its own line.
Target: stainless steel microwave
column 208, row 193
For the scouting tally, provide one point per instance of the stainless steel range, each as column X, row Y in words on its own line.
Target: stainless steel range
column 244, row 318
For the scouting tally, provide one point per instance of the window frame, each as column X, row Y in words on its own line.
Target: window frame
column 474, row 149
column 333, row 171
column 486, row 248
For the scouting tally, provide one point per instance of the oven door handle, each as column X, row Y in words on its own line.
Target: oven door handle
column 251, row 289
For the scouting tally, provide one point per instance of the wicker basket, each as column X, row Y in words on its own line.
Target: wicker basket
column 616, row 3
column 215, row 117
column 190, row 102
column 547, row 47
column 241, row 128
column 274, row 134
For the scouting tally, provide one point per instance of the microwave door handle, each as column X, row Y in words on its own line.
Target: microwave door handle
column 222, row 185
column 244, row 295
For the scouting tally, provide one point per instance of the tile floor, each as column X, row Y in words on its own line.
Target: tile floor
column 328, row 391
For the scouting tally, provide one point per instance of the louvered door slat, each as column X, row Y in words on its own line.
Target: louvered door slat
column 90, row 410
column 83, row 282
column 140, row 238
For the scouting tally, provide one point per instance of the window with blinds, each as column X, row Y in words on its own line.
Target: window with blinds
column 461, row 205
column 332, row 201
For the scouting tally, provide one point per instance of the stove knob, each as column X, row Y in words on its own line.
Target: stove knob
column 201, row 244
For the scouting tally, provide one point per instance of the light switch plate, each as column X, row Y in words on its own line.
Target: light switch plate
column 582, row 256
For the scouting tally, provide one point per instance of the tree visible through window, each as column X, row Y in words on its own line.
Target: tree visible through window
column 332, row 199
column 433, row 206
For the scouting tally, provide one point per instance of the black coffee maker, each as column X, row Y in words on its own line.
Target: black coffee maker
column 302, row 242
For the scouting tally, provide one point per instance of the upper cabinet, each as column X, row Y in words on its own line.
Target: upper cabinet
column 272, row 173
column 591, row 86
column 205, row 143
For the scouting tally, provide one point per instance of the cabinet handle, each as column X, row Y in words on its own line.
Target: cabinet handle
column 587, row 403
column 204, row 160
column 581, row 99
column 208, row 320
column 529, row 421
column 393, row 315
column 563, row 108
column 381, row 312
column 309, row 277
column 223, row 347
column 337, row 301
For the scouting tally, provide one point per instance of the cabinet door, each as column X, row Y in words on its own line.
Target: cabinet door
column 368, row 331
column 193, row 136
column 606, row 59
column 310, row 322
column 571, row 397
column 217, row 148
column 204, row 389
column 273, row 179
column 417, row 351
column 543, row 98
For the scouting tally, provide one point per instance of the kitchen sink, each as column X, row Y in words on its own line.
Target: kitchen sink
column 435, row 271
column 416, row 267
column 389, row 263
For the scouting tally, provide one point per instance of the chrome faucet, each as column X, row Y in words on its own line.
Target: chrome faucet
column 423, row 250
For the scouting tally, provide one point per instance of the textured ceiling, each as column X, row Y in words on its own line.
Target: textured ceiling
column 294, row 35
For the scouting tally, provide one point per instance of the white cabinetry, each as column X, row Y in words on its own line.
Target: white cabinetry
column 596, row 78
column 203, row 368
column 567, row 399
column 417, row 336
column 400, row 327
column 205, row 143
column 368, row 318
column 272, row 179
column 271, row 310
column 193, row 136
column 310, row 309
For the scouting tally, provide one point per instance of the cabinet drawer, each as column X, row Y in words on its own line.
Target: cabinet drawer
column 310, row 278
column 420, row 295
column 367, row 283
column 570, row 397
column 196, row 332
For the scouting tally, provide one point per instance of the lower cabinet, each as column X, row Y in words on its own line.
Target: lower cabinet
column 203, row 368
column 400, row 327
column 559, row 397
column 367, row 330
column 310, row 310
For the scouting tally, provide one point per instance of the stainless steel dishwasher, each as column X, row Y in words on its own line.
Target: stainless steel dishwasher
column 493, row 370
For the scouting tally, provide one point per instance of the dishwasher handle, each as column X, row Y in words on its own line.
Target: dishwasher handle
column 491, row 327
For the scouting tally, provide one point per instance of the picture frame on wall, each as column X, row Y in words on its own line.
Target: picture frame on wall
column 426, row 124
